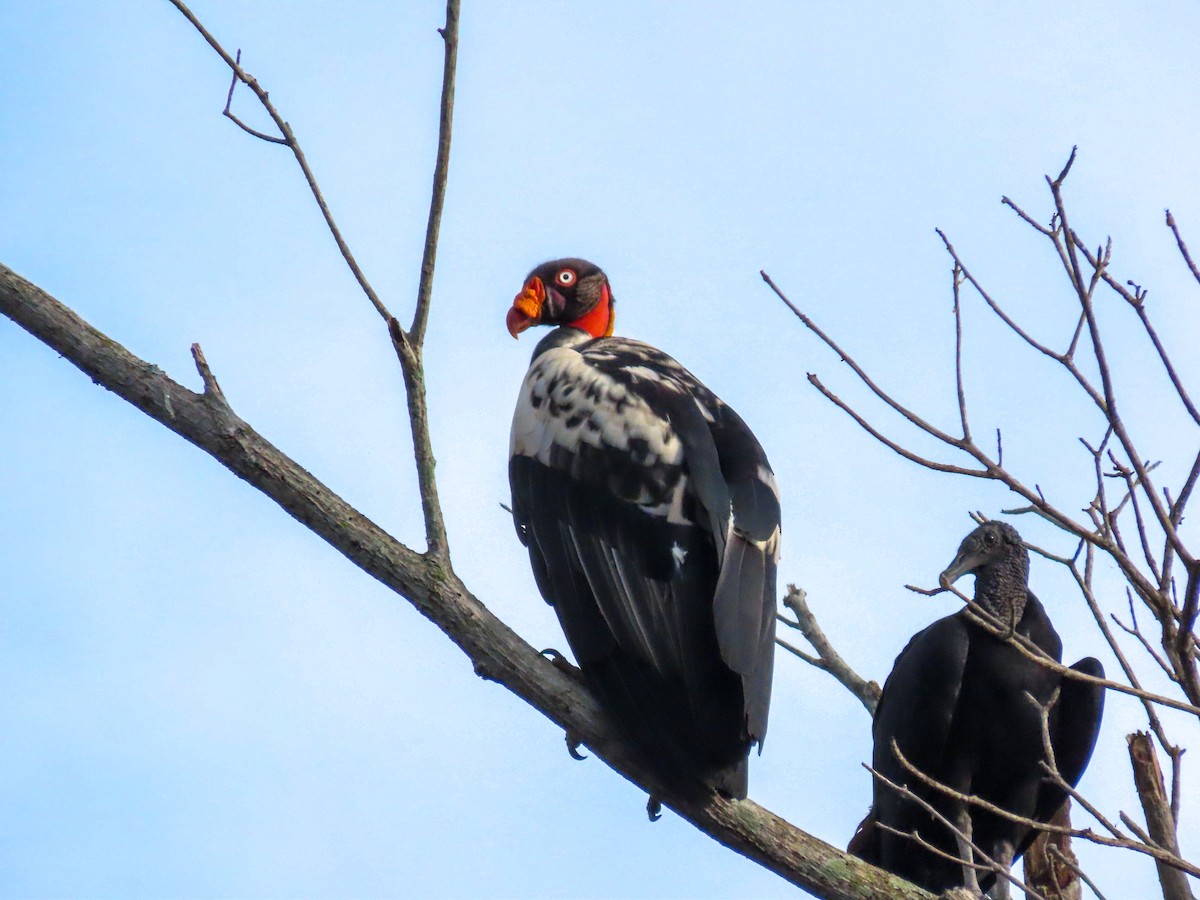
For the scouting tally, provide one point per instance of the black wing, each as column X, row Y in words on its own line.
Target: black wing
column 1074, row 728
column 917, row 711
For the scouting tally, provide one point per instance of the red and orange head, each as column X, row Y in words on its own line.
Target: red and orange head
column 572, row 292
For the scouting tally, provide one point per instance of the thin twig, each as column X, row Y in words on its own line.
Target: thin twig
column 1062, row 858
column 1109, row 404
column 1187, row 257
column 409, row 345
column 1134, row 630
column 229, row 114
column 888, row 442
column 915, row 837
column 441, row 171
column 956, row 279
column 858, row 370
column 999, row 870
column 1136, row 299
column 289, row 139
column 1032, row 651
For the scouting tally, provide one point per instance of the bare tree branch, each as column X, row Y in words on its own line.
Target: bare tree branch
column 441, row 171
column 858, row 370
column 1145, row 845
column 495, row 651
column 991, row 864
column 1109, row 404
column 1051, row 866
column 1031, row 651
column 289, row 139
column 1145, row 558
column 1153, row 510
column 957, row 279
column 827, row 659
column 1147, row 777
column 229, row 114
column 408, row 345
column 1187, row 257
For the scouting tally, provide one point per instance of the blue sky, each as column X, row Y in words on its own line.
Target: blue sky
column 201, row 699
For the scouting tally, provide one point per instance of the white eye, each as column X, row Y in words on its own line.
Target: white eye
column 565, row 277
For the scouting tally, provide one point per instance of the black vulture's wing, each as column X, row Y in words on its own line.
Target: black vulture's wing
column 1075, row 726
column 920, row 697
column 916, row 711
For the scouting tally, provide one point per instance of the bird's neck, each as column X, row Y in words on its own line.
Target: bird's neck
column 599, row 320
column 1002, row 591
column 563, row 336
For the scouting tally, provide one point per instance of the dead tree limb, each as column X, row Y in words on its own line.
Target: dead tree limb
column 1156, row 805
column 409, row 344
column 1136, row 524
column 827, row 658
column 496, row 652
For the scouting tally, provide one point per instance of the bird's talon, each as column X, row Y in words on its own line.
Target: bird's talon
column 573, row 744
column 563, row 664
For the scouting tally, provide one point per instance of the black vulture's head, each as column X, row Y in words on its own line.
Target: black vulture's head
column 995, row 554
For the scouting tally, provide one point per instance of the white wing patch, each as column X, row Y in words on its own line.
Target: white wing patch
column 566, row 402
column 643, row 372
column 679, row 555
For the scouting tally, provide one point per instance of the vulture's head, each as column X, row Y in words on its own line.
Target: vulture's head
column 570, row 292
column 993, row 552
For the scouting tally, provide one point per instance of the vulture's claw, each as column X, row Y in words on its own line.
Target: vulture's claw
column 653, row 808
column 562, row 663
column 573, row 744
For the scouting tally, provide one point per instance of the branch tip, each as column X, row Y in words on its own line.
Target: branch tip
column 212, row 389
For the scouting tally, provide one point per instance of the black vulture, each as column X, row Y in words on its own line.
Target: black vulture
column 651, row 517
column 957, row 704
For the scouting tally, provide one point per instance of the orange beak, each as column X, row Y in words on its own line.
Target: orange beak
column 527, row 306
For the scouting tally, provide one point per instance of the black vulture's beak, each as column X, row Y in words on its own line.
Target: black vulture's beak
column 967, row 561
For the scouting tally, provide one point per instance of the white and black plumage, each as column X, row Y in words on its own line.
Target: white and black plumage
column 651, row 517
column 957, row 705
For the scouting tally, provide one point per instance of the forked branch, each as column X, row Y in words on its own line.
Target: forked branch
column 827, row 659
column 407, row 345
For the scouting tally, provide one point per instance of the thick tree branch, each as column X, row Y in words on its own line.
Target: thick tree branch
column 497, row 653
column 1147, row 777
